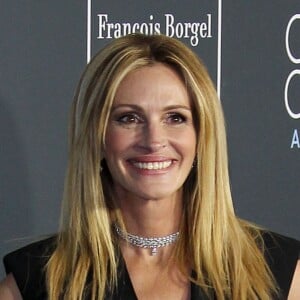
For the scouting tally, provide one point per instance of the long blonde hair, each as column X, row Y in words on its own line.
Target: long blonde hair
column 225, row 252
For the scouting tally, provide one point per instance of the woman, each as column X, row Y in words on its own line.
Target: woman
column 148, row 159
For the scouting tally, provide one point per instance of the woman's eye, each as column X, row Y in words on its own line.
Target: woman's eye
column 175, row 118
column 129, row 119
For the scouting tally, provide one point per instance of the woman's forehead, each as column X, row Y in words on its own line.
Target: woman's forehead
column 150, row 83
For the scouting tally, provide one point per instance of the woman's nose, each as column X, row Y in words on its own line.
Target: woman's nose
column 154, row 137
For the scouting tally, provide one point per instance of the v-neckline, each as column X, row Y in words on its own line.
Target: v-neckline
column 125, row 289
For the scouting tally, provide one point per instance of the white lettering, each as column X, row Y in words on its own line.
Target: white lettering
column 102, row 19
column 118, row 32
column 126, row 28
column 181, row 30
column 295, row 140
column 110, row 30
column 194, row 37
column 169, row 25
column 110, row 27
column 191, row 31
column 144, row 28
column 209, row 35
column 157, row 28
column 286, row 98
column 287, row 40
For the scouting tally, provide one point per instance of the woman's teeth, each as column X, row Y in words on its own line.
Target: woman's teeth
column 157, row 165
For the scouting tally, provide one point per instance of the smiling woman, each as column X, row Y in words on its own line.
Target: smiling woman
column 147, row 208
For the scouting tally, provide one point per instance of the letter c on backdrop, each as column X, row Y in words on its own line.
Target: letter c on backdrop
column 287, row 44
column 286, row 98
column 294, row 60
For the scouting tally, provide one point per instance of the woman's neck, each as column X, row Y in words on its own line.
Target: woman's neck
column 151, row 218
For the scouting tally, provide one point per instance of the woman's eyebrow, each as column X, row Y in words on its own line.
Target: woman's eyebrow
column 139, row 108
column 124, row 105
column 177, row 106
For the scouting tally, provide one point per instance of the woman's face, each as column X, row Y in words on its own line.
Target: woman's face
column 150, row 139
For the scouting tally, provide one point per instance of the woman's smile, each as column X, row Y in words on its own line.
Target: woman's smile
column 155, row 165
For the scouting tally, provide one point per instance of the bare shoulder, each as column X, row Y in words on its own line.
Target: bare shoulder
column 294, row 293
column 9, row 289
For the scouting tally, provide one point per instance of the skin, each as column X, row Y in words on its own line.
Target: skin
column 9, row 289
column 294, row 293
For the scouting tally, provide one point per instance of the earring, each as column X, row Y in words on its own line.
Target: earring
column 101, row 165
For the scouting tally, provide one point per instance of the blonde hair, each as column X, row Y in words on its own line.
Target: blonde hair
column 225, row 252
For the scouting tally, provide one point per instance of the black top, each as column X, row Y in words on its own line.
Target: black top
column 27, row 265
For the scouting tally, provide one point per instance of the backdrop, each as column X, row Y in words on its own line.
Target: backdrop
column 251, row 49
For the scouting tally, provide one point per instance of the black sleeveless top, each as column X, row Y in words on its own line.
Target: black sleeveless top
column 28, row 264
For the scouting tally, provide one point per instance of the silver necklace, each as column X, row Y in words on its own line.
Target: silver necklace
column 152, row 243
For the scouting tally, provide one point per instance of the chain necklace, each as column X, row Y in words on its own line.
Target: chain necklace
column 152, row 243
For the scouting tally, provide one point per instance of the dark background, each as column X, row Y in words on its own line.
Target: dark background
column 43, row 51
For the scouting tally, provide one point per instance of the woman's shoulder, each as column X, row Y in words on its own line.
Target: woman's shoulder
column 35, row 251
column 279, row 248
column 281, row 253
column 274, row 240
column 27, row 265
